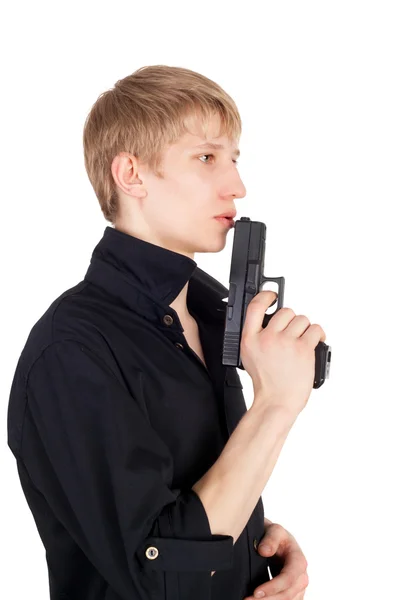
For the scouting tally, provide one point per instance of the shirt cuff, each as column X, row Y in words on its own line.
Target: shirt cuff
column 184, row 541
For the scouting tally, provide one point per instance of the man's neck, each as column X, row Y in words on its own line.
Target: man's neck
column 180, row 306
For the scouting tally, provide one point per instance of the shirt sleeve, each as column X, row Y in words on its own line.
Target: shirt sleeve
column 107, row 477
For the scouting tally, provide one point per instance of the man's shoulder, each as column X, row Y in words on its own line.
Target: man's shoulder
column 66, row 318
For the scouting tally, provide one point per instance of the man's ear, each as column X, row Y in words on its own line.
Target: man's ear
column 125, row 172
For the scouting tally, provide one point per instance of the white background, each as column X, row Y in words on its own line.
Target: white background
column 317, row 86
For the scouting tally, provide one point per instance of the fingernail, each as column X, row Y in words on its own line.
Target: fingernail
column 265, row 547
column 259, row 595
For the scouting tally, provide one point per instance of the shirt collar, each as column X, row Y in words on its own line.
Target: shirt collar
column 147, row 278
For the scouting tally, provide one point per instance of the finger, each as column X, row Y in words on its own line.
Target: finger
column 313, row 335
column 295, row 566
column 300, row 596
column 297, row 591
column 256, row 311
column 275, row 536
column 298, row 588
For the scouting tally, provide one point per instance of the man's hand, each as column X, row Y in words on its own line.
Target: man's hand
column 293, row 578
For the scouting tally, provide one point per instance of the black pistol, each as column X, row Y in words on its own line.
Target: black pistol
column 245, row 280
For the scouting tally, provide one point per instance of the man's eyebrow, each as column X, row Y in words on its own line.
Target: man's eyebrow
column 236, row 152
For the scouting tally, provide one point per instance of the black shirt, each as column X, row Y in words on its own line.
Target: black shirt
column 112, row 419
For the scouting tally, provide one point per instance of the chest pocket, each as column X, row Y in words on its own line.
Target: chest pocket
column 235, row 405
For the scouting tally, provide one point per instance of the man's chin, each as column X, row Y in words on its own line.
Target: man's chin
column 214, row 243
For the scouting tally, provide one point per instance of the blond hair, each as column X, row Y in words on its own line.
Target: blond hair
column 142, row 114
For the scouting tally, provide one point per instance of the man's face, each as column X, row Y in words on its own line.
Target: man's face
column 178, row 212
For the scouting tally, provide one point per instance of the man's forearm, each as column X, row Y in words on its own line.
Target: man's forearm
column 231, row 488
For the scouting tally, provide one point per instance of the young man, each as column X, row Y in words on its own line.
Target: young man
column 120, row 403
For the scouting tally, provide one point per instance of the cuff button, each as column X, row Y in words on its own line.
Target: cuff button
column 255, row 543
column 151, row 552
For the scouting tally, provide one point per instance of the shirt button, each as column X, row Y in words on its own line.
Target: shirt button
column 255, row 544
column 178, row 345
column 151, row 552
column 168, row 320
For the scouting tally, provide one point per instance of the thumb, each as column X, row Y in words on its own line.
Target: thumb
column 266, row 548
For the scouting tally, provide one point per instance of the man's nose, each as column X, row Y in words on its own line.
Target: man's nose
column 238, row 187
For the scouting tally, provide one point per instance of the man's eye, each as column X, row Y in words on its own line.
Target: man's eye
column 235, row 161
column 206, row 155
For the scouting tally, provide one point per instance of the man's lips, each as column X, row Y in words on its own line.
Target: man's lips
column 229, row 214
column 227, row 221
